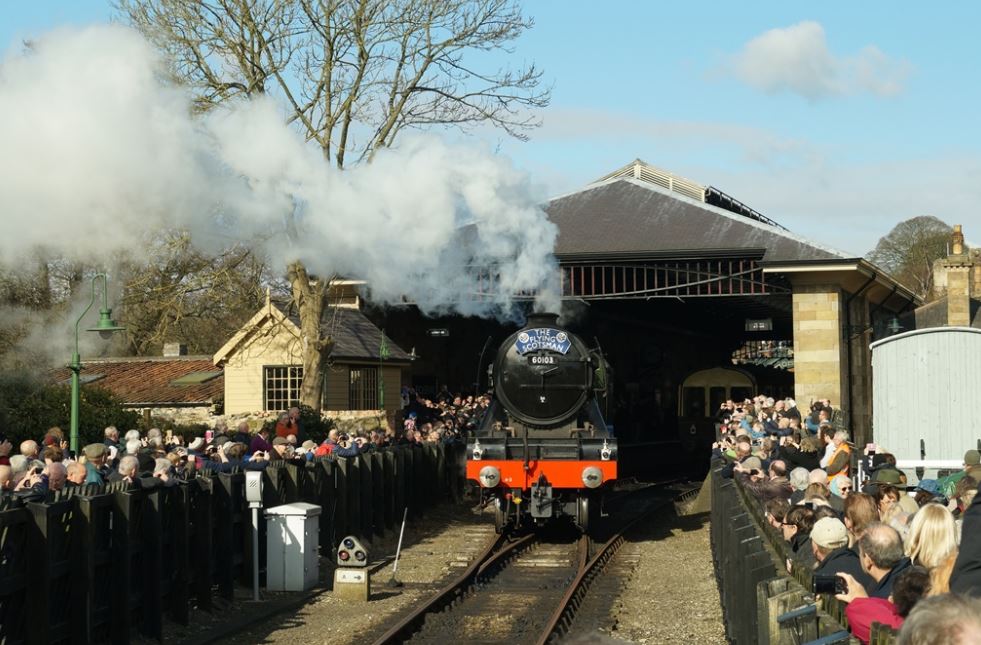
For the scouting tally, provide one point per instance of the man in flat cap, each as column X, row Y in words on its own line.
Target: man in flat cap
column 95, row 459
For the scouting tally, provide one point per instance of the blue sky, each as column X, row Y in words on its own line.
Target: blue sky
column 837, row 120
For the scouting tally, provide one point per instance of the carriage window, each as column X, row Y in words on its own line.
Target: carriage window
column 740, row 393
column 717, row 396
column 694, row 399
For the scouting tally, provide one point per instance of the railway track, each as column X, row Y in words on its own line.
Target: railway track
column 520, row 589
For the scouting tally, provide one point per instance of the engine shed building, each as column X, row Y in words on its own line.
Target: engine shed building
column 671, row 277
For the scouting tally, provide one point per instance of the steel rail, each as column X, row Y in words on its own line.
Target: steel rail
column 493, row 555
column 561, row 620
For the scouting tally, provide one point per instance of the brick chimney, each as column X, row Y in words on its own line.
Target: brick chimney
column 958, row 265
column 174, row 349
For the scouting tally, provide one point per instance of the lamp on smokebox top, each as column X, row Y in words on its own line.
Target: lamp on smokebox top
column 106, row 328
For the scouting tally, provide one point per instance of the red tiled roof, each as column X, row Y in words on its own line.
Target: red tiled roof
column 148, row 380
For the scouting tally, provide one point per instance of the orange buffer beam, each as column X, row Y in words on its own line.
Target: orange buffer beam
column 560, row 474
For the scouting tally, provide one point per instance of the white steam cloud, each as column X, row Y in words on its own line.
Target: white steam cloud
column 98, row 150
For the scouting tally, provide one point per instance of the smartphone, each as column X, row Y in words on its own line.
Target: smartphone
column 209, row 435
column 828, row 584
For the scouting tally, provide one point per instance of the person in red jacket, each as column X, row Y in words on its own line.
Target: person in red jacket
column 862, row 611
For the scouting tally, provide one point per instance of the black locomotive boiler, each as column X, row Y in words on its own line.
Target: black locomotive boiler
column 543, row 450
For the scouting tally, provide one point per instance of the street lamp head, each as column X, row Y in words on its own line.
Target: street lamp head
column 106, row 325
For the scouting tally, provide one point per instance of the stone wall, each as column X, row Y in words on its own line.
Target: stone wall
column 349, row 421
column 819, row 358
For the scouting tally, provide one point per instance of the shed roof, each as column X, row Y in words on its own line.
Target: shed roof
column 154, row 381
column 637, row 217
column 355, row 337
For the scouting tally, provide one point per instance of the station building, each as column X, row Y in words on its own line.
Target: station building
column 672, row 278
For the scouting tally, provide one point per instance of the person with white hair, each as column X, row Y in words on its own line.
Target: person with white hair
column 30, row 449
column 799, row 479
column 841, row 457
column 18, row 468
column 129, row 467
column 111, row 434
column 132, row 435
column 133, row 446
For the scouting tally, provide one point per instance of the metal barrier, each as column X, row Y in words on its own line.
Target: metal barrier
column 100, row 564
column 761, row 601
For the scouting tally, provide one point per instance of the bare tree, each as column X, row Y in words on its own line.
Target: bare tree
column 353, row 74
column 909, row 250
column 176, row 292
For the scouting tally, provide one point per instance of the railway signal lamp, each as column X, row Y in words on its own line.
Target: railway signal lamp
column 351, row 579
column 105, row 327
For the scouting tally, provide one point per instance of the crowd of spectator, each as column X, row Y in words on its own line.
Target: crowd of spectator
column 162, row 458
column 905, row 556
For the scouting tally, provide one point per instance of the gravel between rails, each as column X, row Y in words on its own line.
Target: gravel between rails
column 672, row 597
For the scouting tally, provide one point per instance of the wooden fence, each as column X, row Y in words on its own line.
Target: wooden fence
column 761, row 601
column 103, row 564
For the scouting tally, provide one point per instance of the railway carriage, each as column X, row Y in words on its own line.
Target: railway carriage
column 543, row 450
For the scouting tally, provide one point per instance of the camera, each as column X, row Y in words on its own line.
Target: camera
column 37, row 470
column 828, row 584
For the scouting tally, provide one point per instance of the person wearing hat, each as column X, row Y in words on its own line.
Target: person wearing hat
column 829, row 543
column 95, row 459
column 971, row 458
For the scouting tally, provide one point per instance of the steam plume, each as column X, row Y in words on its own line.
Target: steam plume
column 98, row 149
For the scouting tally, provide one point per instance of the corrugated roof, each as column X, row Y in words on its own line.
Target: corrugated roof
column 627, row 215
column 355, row 337
column 150, row 380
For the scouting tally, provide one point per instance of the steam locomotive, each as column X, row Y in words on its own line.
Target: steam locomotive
column 543, row 450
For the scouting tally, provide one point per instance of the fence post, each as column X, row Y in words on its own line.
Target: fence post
column 150, row 570
column 125, row 595
column 388, row 482
column 367, row 496
column 202, row 507
column 324, row 479
column 342, row 487
column 178, row 524
column 50, row 551
column 223, row 532
column 378, row 499
column 15, row 542
column 401, row 481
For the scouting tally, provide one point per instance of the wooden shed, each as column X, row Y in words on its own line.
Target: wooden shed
column 925, row 386
column 263, row 365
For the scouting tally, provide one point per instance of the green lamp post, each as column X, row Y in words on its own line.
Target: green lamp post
column 106, row 326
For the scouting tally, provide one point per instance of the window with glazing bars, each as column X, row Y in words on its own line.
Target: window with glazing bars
column 363, row 391
column 281, row 387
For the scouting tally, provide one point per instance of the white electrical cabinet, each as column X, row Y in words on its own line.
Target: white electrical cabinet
column 292, row 541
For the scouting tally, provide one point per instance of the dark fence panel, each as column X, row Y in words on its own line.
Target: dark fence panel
column 761, row 602
column 103, row 563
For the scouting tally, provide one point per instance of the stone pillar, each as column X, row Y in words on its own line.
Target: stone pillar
column 958, row 269
column 820, row 369
column 958, row 292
